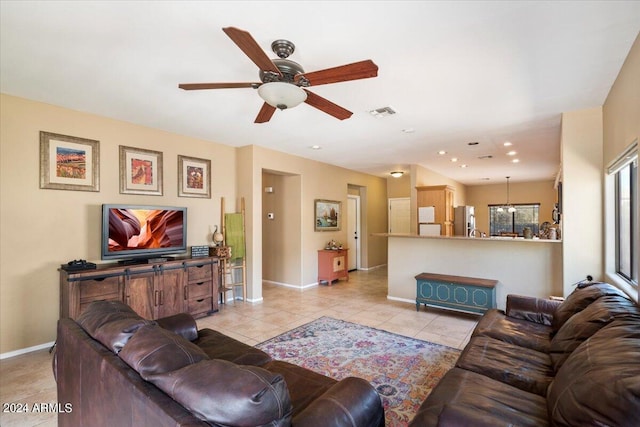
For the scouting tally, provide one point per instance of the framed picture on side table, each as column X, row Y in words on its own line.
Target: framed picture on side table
column 69, row 162
column 140, row 171
column 328, row 215
column 194, row 177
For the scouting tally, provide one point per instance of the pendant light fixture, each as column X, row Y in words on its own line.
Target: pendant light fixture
column 508, row 206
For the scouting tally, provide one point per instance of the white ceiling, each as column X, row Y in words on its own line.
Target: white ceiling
column 455, row 72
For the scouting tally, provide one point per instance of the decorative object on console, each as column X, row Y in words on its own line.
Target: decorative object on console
column 199, row 251
column 194, row 177
column 327, row 215
column 220, row 251
column 69, row 162
column 217, row 237
column 140, row 171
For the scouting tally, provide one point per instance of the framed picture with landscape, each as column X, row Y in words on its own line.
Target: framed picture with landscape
column 69, row 162
column 140, row 171
column 194, row 177
column 328, row 215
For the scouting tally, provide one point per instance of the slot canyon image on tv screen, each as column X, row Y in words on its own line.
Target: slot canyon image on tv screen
column 138, row 231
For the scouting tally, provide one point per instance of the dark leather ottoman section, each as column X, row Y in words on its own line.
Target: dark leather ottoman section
column 526, row 369
column 465, row 395
column 305, row 386
column 220, row 346
column 496, row 324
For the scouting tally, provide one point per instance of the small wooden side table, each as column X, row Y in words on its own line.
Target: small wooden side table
column 332, row 265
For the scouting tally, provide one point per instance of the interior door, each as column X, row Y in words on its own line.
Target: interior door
column 353, row 231
column 400, row 215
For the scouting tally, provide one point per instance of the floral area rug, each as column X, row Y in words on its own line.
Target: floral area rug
column 403, row 370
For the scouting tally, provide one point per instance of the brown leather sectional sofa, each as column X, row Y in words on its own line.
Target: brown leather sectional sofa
column 575, row 363
column 117, row 369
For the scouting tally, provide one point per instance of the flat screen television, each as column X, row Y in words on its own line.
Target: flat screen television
column 133, row 233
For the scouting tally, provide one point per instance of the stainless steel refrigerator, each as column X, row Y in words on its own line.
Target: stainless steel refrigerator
column 464, row 220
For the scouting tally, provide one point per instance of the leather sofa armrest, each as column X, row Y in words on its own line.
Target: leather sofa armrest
column 462, row 416
column 537, row 310
column 182, row 324
column 352, row 402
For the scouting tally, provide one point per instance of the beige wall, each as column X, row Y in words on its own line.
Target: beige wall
column 481, row 196
column 399, row 187
column 582, row 196
column 318, row 181
column 41, row 229
column 621, row 122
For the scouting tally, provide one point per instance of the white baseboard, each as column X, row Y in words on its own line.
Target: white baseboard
column 9, row 354
column 412, row 301
column 373, row 268
column 288, row 285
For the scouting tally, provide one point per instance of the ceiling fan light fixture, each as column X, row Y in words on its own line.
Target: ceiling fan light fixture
column 282, row 95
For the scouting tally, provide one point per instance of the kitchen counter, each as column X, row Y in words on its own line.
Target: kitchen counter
column 521, row 266
column 492, row 238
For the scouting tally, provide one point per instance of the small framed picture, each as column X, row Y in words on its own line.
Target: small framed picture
column 140, row 171
column 69, row 162
column 327, row 215
column 194, row 177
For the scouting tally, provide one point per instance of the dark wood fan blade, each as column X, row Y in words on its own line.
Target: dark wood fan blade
column 250, row 47
column 265, row 114
column 343, row 73
column 199, row 86
column 327, row 106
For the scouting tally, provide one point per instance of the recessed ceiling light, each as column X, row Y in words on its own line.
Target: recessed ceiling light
column 485, row 179
column 507, row 144
column 442, row 152
column 316, row 147
column 463, row 166
column 408, row 130
column 512, row 153
column 515, row 161
column 454, row 159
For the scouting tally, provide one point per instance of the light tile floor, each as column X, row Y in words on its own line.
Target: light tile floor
column 27, row 379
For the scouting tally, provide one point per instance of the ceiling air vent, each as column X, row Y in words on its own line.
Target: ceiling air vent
column 382, row 112
column 486, row 156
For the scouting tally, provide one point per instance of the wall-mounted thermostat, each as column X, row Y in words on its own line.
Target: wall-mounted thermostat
column 270, row 215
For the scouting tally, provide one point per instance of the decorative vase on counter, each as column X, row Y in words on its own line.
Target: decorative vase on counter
column 526, row 231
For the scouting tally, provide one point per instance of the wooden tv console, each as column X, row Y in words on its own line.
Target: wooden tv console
column 153, row 290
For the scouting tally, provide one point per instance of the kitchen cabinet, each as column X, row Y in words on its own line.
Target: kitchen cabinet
column 441, row 198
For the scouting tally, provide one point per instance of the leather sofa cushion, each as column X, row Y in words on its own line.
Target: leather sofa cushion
column 469, row 395
column 112, row 323
column 495, row 324
column 526, row 369
column 153, row 350
column 220, row 346
column 580, row 299
column 599, row 384
column 304, row 386
column 226, row 394
column 587, row 322
column 182, row 324
column 351, row 401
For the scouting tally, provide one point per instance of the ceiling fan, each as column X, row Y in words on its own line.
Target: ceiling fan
column 283, row 82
